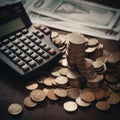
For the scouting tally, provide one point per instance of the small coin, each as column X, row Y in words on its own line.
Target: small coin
column 29, row 103
column 37, row 95
column 64, row 70
column 48, row 81
column 92, row 42
column 81, row 102
column 73, row 93
column 60, row 92
column 113, row 99
column 45, row 90
column 102, row 105
column 15, row 109
column 32, row 85
column 99, row 94
column 51, row 95
column 55, row 72
column 70, row 106
column 54, row 34
column 61, row 80
column 87, row 96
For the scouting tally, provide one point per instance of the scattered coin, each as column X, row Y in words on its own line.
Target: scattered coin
column 45, row 90
column 70, row 106
column 92, row 42
column 37, row 95
column 60, row 92
column 55, row 72
column 51, row 95
column 15, row 109
column 113, row 99
column 54, row 34
column 99, row 93
column 102, row 105
column 61, row 80
column 81, row 102
column 32, row 85
column 48, row 81
column 29, row 103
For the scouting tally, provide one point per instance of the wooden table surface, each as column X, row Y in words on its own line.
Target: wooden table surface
column 12, row 90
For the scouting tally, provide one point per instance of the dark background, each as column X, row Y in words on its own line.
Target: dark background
column 12, row 90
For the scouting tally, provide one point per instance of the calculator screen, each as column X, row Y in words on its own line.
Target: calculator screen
column 11, row 26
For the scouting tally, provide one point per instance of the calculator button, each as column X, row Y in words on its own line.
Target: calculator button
column 36, row 32
column 23, row 55
column 42, row 27
column 10, row 45
column 34, row 55
column 35, row 48
column 40, row 52
column 25, row 68
column 40, row 35
column 52, row 51
column 20, row 45
column 16, row 41
column 47, row 31
column 20, row 63
column 38, row 41
column 12, row 37
column 27, row 41
column 14, row 48
column 33, row 38
column 31, row 45
column 25, row 31
column 16, row 59
column 18, row 52
column 24, row 48
column 5, row 41
column 29, row 52
column 19, row 34
column 29, row 35
column 23, row 38
column 42, row 45
column 45, row 56
column 39, row 60
column 3, row 48
column 46, row 48
column 11, row 56
column 27, row 59
column 7, row 52
column 32, row 63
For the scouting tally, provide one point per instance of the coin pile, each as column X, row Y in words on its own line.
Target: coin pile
column 113, row 71
column 94, row 49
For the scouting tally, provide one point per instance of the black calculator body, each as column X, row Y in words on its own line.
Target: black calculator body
column 24, row 47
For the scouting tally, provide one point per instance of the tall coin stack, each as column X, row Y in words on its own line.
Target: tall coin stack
column 76, row 59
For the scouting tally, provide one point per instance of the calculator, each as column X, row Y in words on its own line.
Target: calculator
column 25, row 47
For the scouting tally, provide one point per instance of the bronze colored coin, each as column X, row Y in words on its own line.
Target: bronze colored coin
column 102, row 105
column 64, row 71
column 107, row 93
column 87, row 96
column 15, row 109
column 97, row 64
column 55, row 72
column 113, row 99
column 115, row 87
column 48, row 81
column 110, row 78
column 73, row 93
column 32, row 85
column 63, row 62
column 51, row 95
column 29, row 103
column 116, row 54
column 92, row 42
column 37, row 95
column 61, row 80
column 99, row 94
column 90, row 49
column 54, row 34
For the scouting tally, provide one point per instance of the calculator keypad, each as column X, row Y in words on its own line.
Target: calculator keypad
column 29, row 49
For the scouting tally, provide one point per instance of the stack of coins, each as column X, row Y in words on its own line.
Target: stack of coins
column 113, row 71
column 94, row 49
column 75, row 49
column 75, row 79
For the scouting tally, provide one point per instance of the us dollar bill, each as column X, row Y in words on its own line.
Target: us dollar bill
column 78, row 12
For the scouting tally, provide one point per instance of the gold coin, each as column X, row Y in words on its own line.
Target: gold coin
column 92, row 42
column 32, row 85
column 70, row 106
column 64, row 70
column 37, row 95
column 113, row 99
column 51, row 95
column 56, row 71
column 29, row 103
column 60, row 92
column 81, row 102
column 99, row 93
column 15, row 108
column 102, row 105
column 45, row 90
